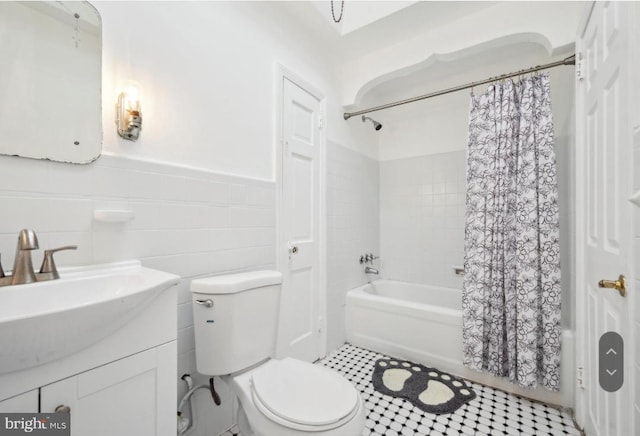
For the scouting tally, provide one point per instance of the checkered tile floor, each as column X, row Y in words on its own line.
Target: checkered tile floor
column 491, row 413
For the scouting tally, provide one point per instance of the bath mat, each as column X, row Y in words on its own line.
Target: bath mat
column 427, row 388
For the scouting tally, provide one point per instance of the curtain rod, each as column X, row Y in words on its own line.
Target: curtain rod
column 571, row 60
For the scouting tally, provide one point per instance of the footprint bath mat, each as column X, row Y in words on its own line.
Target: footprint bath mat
column 427, row 388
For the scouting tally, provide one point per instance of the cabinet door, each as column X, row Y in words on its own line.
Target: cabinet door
column 132, row 396
column 23, row 403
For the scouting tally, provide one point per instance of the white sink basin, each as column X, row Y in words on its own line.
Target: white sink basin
column 42, row 322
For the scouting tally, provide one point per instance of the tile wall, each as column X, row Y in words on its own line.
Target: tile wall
column 422, row 206
column 353, row 229
column 188, row 222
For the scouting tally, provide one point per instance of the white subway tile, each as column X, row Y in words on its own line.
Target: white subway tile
column 184, row 292
column 223, row 239
column 24, row 175
column 83, row 255
column 112, row 246
column 174, row 215
column 156, row 186
column 201, row 190
column 415, row 225
column 69, row 215
column 147, row 214
column 192, row 240
column 185, row 315
column 238, row 194
column 186, row 340
column 110, row 182
column 73, row 180
column 257, row 196
column 218, row 216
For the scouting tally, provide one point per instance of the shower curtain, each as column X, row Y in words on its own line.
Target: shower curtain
column 511, row 293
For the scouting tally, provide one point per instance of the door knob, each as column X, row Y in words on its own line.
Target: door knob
column 620, row 285
column 62, row 409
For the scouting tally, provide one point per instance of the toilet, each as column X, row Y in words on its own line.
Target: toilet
column 236, row 325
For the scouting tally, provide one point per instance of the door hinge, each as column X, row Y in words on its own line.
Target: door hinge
column 319, row 324
column 320, row 122
column 580, row 376
column 579, row 67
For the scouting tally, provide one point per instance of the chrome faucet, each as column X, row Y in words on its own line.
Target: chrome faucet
column 22, row 265
column 366, row 258
column 369, row 270
column 23, row 271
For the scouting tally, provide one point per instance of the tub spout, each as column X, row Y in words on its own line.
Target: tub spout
column 369, row 270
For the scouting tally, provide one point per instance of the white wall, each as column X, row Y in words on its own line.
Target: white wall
column 353, row 229
column 436, row 126
column 206, row 74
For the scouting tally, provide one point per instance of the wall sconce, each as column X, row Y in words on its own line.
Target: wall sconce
column 128, row 114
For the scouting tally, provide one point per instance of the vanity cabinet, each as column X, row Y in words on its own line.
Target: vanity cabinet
column 23, row 403
column 131, row 396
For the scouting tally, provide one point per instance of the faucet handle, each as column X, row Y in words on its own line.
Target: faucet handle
column 48, row 264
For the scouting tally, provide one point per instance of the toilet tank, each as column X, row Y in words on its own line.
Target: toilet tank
column 235, row 319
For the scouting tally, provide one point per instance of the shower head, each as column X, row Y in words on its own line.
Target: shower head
column 376, row 125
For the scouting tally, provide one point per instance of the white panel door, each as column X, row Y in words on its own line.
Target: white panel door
column 604, row 238
column 299, row 332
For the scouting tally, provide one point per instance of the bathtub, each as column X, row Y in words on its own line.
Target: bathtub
column 424, row 324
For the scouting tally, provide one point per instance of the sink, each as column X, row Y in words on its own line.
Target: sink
column 45, row 321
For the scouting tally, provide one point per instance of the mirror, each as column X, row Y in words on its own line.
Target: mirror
column 50, row 80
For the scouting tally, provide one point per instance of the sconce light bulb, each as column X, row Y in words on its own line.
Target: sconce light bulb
column 132, row 99
column 128, row 114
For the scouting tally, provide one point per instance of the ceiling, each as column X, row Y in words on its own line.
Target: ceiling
column 403, row 24
column 367, row 26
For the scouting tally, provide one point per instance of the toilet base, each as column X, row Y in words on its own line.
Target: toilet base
column 243, row 423
column 353, row 428
column 252, row 422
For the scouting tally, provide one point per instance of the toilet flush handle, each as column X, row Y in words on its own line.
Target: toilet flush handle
column 205, row 303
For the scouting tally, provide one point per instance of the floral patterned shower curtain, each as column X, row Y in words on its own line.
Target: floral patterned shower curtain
column 511, row 293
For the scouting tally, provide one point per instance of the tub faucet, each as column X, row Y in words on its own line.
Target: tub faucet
column 369, row 270
column 23, row 266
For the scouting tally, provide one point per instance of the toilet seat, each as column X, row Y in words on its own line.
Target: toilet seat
column 303, row 396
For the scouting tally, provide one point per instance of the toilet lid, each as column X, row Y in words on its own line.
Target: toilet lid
column 305, row 394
